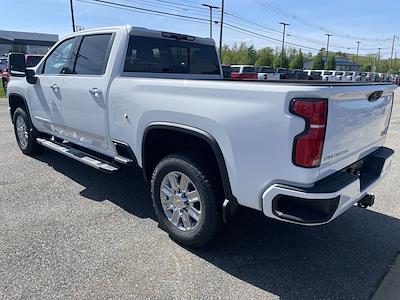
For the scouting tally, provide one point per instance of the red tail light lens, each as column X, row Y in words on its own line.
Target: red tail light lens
column 308, row 145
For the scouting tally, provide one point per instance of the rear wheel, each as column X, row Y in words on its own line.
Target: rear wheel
column 25, row 133
column 185, row 201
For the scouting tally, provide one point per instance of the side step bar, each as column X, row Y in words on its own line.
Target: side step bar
column 78, row 155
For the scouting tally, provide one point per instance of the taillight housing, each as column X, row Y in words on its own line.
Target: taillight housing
column 308, row 145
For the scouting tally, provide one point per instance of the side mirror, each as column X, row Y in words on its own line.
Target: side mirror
column 30, row 76
column 17, row 64
column 17, row 67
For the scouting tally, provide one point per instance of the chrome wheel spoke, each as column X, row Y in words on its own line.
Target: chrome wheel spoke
column 194, row 213
column 172, row 181
column 167, row 204
column 167, row 191
column 193, row 197
column 186, row 220
column 175, row 217
column 184, row 183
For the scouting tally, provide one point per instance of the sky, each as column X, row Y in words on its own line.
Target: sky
column 257, row 22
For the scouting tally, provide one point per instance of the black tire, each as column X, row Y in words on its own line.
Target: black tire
column 210, row 220
column 31, row 146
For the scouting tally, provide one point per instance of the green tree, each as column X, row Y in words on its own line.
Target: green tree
column 331, row 64
column 265, row 57
column 366, row 68
column 298, row 61
column 278, row 61
column 227, row 55
column 318, row 62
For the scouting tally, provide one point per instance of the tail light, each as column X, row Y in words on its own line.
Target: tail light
column 308, row 146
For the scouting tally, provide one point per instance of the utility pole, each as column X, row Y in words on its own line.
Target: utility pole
column 72, row 15
column 283, row 41
column 391, row 56
column 211, row 16
column 379, row 58
column 327, row 50
column 221, row 29
column 358, row 49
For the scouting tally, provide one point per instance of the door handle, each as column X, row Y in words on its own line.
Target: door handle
column 54, row 87
column 95, row 92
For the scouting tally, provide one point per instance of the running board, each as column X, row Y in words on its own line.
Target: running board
column 78, row 155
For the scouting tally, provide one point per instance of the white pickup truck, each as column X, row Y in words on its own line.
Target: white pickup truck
column 299, row 152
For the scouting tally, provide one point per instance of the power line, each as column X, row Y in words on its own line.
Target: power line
column 280, row 10
column 233, row 25
column 140, row 9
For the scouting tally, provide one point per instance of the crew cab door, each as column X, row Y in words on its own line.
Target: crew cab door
column 85, row 93
column 46, row 96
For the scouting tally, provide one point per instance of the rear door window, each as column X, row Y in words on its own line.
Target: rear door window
column 93, row 55
column 158, row 55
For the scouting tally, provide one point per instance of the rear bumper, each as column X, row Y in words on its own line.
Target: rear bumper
column 329, row 197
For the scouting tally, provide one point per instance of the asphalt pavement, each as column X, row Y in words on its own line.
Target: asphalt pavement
column 69, row 231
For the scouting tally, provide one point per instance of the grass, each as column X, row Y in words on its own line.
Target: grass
column 1, row 91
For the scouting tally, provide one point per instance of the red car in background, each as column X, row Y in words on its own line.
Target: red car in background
column 31, row 61
column 243, row 72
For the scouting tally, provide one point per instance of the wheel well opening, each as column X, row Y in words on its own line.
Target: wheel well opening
column 16, row 101
column 160, row 143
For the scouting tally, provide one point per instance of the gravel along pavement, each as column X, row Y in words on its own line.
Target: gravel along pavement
column 69, row 231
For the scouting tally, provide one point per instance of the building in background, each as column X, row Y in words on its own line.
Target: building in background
column 26, row 42
column 342, row 64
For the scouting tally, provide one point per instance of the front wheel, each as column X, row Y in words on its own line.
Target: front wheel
column 25, row 133
column 185, row 201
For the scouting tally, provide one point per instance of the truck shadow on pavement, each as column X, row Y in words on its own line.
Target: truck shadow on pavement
column 345, row 259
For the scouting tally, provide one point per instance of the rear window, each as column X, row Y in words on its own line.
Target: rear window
column 267, row 70
column 32, row 61
column 156, row 55
column 235, row 69
column 249, row 70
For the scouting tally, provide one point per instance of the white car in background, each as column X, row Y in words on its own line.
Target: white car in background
column 369, row 76
column 328, row 75
column 268, row 73
column 339, row 75
column 353, row 76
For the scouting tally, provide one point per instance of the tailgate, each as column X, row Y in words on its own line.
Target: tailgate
column 358, row 119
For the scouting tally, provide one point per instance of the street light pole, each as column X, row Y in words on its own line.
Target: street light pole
column 72, row 15
column 211, row 16
column 283, row 41
column 391, row 56
column 358, row 49
column 327, row 50
column 379, row 58
column 221, row 29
